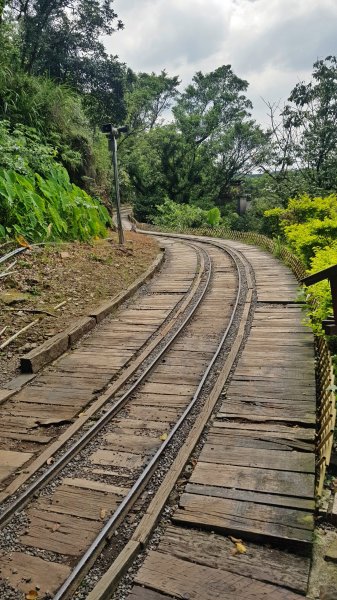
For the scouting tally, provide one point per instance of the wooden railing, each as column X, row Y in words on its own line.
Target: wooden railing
column 326, row 410
column 326, row 420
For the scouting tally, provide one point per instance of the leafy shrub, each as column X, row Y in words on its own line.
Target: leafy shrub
column 54, row 114
column 51, row 207
column 171, row 214
column 23, row 151
column 306, row 224
column 272, row 219
column 321, row 292
column 214, row 217
column 305, row 239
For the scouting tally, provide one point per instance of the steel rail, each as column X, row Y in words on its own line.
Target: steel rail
column 54, row 469
column 130, row 369
column 89, row 557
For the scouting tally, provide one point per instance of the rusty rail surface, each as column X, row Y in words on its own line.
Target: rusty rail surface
column 326, row 399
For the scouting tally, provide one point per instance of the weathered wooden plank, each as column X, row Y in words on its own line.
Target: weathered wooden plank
column 161, row 400
column 264, row 564
column 280, row 460
column 260, row 515
column 10, row 461
column 181, row 578
column 59, row 533
column 236, row 412
column 26, row 437
column 91, row 484
column 276, row 429
column 265, row 523
column 154, row 413
column 245, row 389
column 260, row 480
column 178, row 389
column 172, row 377
column 136, row 443
column 248, row 496
column 88, row 504
column 250, row 439
column 255, row 407
column 140, row 424
column 24, row 572
column 141, row 593
column 112, row 458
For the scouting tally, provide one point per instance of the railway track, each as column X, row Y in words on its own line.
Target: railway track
column 82, row 381
column 55, row 529
column 251, row 477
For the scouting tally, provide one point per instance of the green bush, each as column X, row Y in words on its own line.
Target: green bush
column 41, row 208
column 321, row 292
column 214, row 217
column 55, row 115
column 171, row 214
column 306, row 224
column 23, row 151
column 307, row 238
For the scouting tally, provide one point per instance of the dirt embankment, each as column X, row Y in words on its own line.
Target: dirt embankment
column 76, row 274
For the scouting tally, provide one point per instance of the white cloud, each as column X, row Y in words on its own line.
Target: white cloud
column 271, row 43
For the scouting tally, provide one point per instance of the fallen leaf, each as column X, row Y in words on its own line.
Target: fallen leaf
column 23, row 242
column 163, row 437
column 240, row 548
column 234, row 540
column 103, row 512
column 32, row 595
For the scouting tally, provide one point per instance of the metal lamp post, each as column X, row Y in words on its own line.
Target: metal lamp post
column 112, row 134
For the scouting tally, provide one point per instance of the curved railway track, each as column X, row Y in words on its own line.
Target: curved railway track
column 57, row 526
column 120, row 345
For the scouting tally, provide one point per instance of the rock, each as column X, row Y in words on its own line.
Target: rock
column 327, row 593
column 13, row 297
column 331, row 553
column 26, row 347
column 64, row 255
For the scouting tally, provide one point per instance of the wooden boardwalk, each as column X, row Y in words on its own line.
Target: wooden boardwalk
column 254, row 478
column 32, row 417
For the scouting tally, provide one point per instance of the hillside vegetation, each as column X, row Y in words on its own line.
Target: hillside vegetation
column 58, row 85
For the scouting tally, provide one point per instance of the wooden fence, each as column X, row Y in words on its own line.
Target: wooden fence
column 326, row 409
column 326, row 399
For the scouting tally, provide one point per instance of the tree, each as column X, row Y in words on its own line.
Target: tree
column 57, row 33
column 195, row 159
column 147, row 97
column 211, row 104
column 102, row 81
column 313, row 113
column 222, row 142
column 2, row 7
column 303, row 135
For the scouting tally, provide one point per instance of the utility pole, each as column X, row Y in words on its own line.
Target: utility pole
column 112, row 134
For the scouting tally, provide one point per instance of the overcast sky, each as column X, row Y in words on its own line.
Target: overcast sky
column 271, row 43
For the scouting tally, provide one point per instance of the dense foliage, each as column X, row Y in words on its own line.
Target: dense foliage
column 48, row 208
column 309, row 228
column 58, row 85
